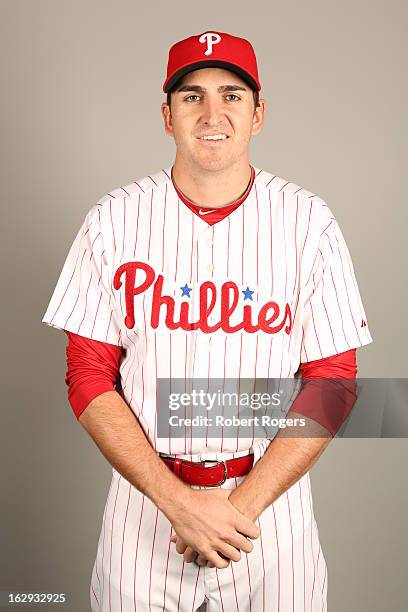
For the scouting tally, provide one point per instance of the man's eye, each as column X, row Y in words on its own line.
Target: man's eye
column 233, row 96
column 192, row 96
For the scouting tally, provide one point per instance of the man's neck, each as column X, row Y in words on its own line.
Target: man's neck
column 212, row 189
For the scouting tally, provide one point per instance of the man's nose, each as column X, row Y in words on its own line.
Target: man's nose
column 212, row 112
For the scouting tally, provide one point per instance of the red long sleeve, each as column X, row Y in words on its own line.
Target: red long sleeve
column 92, row 369
column 329, row 391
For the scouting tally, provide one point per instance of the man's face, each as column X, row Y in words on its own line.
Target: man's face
column 212, row 102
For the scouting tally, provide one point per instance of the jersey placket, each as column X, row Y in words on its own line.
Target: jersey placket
column 199, row 344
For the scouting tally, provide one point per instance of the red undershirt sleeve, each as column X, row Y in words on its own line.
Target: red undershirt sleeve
column 92, row 369
column 328, row 402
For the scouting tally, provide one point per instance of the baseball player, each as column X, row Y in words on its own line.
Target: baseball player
column 210, row 268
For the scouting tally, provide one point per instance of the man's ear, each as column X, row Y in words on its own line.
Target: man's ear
column 259, row 117
column 167, row 119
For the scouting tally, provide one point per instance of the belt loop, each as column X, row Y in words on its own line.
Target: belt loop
column 177, row 466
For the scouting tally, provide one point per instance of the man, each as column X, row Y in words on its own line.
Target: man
column 211, row 268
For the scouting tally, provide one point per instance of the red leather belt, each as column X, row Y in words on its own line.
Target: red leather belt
column 209, row 473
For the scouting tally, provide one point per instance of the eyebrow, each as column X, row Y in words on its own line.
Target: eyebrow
column 221, row 88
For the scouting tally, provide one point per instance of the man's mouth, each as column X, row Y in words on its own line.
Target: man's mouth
column 213, row 137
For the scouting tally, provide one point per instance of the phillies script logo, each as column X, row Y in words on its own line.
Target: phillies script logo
column 268, row 314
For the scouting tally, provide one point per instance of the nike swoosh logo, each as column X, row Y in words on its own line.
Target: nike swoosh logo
column 205, row 212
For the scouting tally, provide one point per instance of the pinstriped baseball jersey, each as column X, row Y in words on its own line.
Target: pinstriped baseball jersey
column 252, row 296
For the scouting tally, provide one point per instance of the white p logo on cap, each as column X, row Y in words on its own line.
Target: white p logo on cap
column 211, row 39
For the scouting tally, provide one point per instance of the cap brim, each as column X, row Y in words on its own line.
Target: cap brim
column 210, row 64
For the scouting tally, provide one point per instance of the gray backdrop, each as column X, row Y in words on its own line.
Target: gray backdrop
column 80, row 107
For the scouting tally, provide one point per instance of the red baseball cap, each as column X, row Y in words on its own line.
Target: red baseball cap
column 212, row 49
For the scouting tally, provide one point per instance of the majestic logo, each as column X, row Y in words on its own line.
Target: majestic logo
column 211, row 39
column 178, row 318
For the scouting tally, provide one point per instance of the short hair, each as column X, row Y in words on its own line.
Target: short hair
column 255, row 93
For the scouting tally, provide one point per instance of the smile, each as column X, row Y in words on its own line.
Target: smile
column 213, row 137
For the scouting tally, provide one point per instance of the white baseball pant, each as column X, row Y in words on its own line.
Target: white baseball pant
column 138, row 569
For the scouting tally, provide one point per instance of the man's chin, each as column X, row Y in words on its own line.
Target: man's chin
column 214, row 164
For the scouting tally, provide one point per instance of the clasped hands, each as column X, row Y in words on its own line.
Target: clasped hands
column 210, row 530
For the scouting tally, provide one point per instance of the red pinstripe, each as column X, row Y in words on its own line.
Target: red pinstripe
column 249, row 583
column 328, row 319
column 268, row 183
column 86, row 303
column 150, row 227
column 347, row 292
column 284, row 242
column 137, row 546
column 197, row 259
column 156, row 386
column 235, row 586
column 107, row 331
column 170, row 382
column 195, row 589
column 314, row 326
column 324, row 582
column 263, row 565
column 130, row 363
column 92, row 245
column 164, row 224
column 223, row 390
column 257, row 239
column 314, row 576
column 303, row 248
column 239, row 385
column 124, row 226
column 113, row 229
column 79, row 292
column 94, row 594
column 303, row 548
column 136, row 183
column 212, row 252
column 137, row 225
column 177, row 243
column 181, row 583
column 151, row 559
column 167, row 569
column 110, row 552
column 123, row 540
column 72, row 275
column 97, row 308
column 103, row 540
column 277, row 547
column 192, row 248
column 338, row 304
column 311, row 546
column 243, row 244
column 219, row 589
column 293, row 561
column 296, row 247
column 270, row 224
column 228, row 242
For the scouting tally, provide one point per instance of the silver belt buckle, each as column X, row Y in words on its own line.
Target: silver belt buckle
column 225, row 472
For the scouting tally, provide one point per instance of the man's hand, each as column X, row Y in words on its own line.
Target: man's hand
column 212, row 529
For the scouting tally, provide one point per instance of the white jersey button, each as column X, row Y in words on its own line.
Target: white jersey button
column 210, row 268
